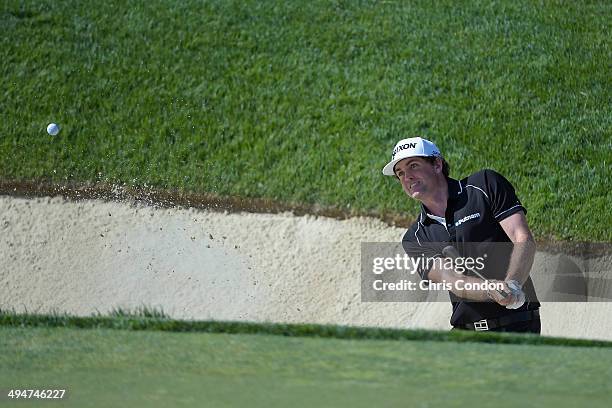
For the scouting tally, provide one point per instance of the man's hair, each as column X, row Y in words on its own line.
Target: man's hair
column 445, row 165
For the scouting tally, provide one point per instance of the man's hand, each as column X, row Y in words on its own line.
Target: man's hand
column 515, row 298
column 517, row 291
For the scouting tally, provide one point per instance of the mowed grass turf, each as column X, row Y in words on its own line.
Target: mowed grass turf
column 302, row 101
column 104, row 367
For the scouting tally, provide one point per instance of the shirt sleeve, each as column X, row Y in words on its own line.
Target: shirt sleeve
column 426, row 251
column 502, row 197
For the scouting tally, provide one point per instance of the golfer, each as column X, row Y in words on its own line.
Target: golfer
column 483, row 209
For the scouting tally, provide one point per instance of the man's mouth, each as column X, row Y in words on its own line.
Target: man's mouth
column 411, row 186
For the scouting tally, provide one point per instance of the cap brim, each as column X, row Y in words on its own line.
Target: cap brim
column 388, row 169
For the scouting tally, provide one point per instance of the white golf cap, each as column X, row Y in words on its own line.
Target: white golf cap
column 411, row 147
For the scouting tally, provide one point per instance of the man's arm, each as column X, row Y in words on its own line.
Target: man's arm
column 524, row 250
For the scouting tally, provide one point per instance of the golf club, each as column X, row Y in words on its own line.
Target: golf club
column 451, row 252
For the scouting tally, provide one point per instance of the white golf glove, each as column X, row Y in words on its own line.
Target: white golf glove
column 517, row 291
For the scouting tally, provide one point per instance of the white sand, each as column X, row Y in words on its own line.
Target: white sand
column 88, row 256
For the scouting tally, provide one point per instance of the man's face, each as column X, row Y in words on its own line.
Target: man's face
column 417, row 175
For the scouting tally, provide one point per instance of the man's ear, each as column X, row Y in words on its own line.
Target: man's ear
column 438, row 165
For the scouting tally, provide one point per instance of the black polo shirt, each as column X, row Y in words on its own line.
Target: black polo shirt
column 476, row 205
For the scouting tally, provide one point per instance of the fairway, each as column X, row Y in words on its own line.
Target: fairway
column 105, row 367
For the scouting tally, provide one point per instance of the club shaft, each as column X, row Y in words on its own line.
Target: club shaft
column 451, row 252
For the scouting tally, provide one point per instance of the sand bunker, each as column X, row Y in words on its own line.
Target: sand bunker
column 92, row 256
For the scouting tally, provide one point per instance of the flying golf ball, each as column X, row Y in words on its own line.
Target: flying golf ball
column 53, row 129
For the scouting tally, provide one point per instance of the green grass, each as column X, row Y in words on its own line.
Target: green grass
column 141, row 357
column 142, row 311
column 301, row 102
column 156, row 320
column 102, row 367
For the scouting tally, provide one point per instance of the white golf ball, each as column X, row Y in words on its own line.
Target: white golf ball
column 53, row 129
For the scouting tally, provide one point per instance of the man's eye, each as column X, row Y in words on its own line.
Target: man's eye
column 413, row 166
